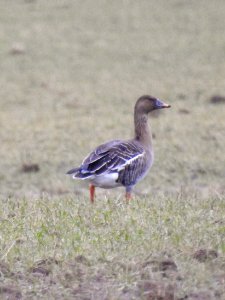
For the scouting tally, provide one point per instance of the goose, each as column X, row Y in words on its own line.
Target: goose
column 122, row 162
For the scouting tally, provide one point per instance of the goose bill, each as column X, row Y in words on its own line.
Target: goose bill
column 161, row 104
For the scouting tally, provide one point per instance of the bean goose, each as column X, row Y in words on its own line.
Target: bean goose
column 122, row 163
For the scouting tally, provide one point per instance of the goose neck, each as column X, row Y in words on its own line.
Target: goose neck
column 142, row 129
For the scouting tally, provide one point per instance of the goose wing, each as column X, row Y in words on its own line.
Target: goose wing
column 111, row 157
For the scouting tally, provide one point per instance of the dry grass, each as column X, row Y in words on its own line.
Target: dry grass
column 70, row 74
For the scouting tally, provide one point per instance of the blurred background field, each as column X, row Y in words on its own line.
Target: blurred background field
column 71, row 72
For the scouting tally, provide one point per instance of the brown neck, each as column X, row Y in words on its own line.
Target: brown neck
column 142, row 130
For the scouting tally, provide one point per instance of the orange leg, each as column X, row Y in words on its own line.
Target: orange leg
column 92, row 192
column 128, row 196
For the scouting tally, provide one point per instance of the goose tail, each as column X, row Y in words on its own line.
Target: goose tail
column 79, row 173
column 73, row 172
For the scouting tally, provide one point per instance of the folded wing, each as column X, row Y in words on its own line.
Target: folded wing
column 112, row 157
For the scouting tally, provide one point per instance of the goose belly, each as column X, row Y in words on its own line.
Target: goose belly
column 106, row 181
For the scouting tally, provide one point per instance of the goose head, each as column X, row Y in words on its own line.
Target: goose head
column 145, row 104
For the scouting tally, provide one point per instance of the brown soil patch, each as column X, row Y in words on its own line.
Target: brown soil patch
column 161, row 265
column 40, row 270
column 201, row 295
column 167, row 265
column 203, row 255
column 184, row 111
column 217, row 99
column 152, row 290
column 10, row 292
column 5, row 270
column 44, row 266
column 17, row 49
column 30, row 168
column 82, row 259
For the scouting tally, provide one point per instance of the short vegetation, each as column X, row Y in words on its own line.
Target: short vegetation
column 71, row 72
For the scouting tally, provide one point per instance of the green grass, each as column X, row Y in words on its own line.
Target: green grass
column 50, row 239
column 71, row 72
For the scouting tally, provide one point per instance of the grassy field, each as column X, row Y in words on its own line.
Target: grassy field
column 71, row 72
